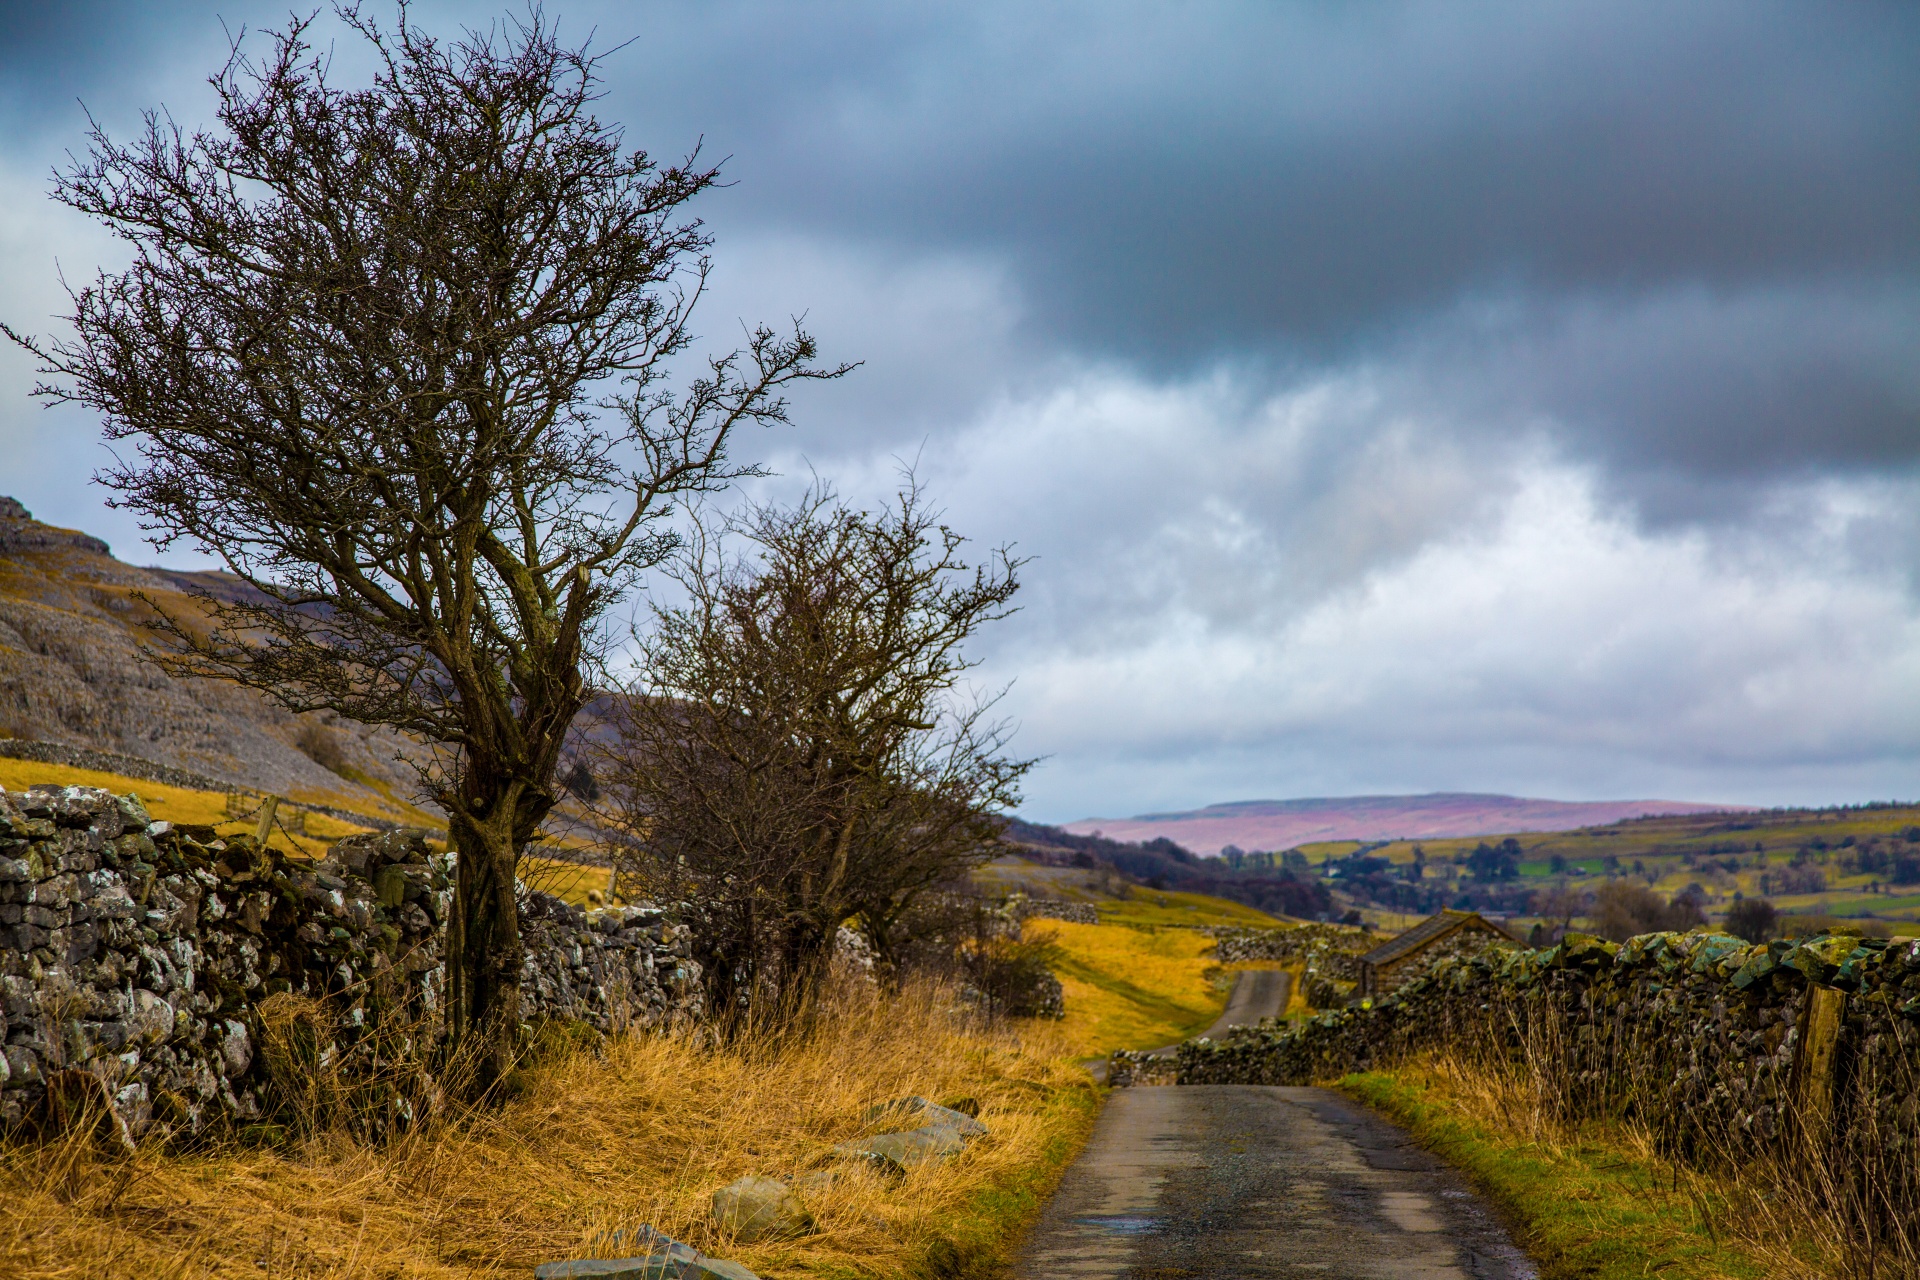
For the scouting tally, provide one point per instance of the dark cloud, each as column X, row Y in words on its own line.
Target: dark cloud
column 1305, row 184
column 53, row 55
column 1689, row 390
column 1182, row 179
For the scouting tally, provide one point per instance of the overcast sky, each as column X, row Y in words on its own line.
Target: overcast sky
column 1393, row 397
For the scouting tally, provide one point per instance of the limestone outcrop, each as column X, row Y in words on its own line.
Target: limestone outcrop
column 73, row 622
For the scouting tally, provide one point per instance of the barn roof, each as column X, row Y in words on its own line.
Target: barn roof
column 1432, row 929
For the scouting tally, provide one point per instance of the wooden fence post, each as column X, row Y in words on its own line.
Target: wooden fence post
column 1814, row 1060
column 267, row 809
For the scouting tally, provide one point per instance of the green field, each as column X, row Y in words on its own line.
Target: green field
column 1745, row 854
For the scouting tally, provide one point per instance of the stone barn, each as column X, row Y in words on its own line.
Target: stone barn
column 1449, row 933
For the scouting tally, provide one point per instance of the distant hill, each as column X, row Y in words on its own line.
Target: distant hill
column 1283, row 824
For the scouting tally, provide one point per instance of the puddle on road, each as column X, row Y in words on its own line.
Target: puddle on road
column 1124, row 1223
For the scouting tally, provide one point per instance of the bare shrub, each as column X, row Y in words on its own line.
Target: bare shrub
column 17, row 723
column 797, row 755
column 1754, row 919
column 1623, row 909
column 580, row 782
column 967, row 940
column 1014, row 974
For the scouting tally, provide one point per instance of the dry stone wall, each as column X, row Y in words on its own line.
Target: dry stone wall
column 1329, row 955
column 109, row 762
column 1019, row 906
column 1340, row 945
column 139, row 961
column 148, row 770
column 1800, row 1055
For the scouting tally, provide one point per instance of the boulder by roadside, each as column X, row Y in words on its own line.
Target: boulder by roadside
column 756, row 1208
column 665, row 1259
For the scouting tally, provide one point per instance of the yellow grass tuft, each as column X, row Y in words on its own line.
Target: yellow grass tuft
column 643, row 1133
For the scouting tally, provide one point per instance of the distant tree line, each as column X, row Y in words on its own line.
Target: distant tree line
column 1164, row 864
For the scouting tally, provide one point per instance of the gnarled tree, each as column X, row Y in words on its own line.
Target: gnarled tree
column 798, row 754
column 396, row 354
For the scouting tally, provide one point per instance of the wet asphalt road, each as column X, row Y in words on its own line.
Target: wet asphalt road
column 1211, row 1181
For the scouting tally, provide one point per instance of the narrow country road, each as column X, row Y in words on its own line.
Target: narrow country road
column 1250, row 1181
column 1256, row 994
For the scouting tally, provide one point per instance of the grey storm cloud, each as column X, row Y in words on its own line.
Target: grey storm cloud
column 1739, row 184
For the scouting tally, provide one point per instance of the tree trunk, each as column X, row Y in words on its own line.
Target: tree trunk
column 484, row 952
column 805, row 953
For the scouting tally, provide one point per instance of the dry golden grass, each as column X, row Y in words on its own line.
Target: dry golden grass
column 1133, row 988
column 571, row 881
column 1297, row 1006
column 1168, row 907
column 642, row 1134
column 170, row 804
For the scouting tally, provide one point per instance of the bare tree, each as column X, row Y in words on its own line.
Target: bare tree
column 1561, row 902
column 1623, row 909
column 799, row 753
column 397, row 356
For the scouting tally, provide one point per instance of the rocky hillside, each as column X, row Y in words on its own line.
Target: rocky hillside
column 71, row 625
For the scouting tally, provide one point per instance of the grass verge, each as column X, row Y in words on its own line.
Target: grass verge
column 1593, row 1202
column 642, row 1132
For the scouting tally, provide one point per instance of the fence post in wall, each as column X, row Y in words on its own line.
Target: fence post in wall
column 1814, row 1060
column 268, row 807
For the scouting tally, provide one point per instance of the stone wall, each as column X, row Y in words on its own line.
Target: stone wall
column 1019, row 906
column 1800, row 1056
column 1329, row 955
column 1341, row 944
column 139, row 961
column 136, row 767
column 109, row 762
